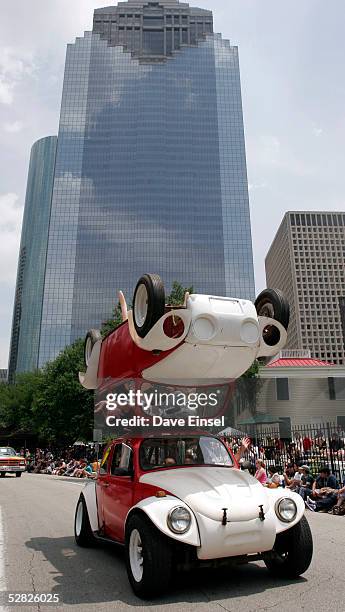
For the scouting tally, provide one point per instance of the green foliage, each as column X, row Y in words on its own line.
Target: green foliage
column 50, row 403
column 176, row 296
column 110, row 324
column 62, row 409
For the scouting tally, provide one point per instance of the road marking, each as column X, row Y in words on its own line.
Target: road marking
column 2, row 560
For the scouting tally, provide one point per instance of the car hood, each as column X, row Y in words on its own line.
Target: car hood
column 12, row 457
column 207, row 490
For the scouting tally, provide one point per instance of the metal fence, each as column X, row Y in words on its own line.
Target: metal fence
column 315, row 445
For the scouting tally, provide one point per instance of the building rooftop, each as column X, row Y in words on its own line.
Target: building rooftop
column 296, row 358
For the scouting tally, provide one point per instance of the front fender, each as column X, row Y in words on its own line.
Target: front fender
column 157, row 510
column 274, row 496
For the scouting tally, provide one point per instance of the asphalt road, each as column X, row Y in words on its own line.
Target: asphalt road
column 38, row 554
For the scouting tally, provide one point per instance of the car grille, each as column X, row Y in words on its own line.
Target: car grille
column 4, row 461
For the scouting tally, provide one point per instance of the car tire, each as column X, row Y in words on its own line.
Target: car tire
column 292, row 552
column 2, row 474
column 18, row 474
column 82, row 528
column 92, row 336
column 149, row 558
column 273, row 304
column 148, row 303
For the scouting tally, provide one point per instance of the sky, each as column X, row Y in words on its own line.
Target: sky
column 292, row 58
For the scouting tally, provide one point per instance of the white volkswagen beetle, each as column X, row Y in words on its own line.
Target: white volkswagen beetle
column 182, row 502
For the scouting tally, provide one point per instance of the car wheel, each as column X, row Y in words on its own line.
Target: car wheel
column 18, row 474
column 273, row 304
column 92, row 336
column 292, row 552
column 148, row 557
column 148, row 303
column 82, row 528
column 2, row 474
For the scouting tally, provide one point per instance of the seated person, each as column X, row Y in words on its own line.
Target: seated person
column 324, row 492
column 273, row 480
column 339, row 507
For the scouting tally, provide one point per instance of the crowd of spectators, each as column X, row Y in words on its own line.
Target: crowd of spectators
column 295, row 464
column 76, row 462
column 320, row 493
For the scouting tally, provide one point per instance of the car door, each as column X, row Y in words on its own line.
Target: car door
column 118, row 494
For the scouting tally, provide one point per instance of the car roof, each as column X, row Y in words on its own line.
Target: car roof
column 165, row 436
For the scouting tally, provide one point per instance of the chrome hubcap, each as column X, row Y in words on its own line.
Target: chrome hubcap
column 136, row 555
column 79, row 519
column 141, row 305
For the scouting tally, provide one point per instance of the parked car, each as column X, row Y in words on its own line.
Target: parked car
column 10, row 462
column 181, row 502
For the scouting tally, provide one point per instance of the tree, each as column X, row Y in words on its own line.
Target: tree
column 62, row 410
column 110, row 324
column 176, row 296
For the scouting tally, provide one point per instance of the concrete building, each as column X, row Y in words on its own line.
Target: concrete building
column 3, row 376
column 307, row 261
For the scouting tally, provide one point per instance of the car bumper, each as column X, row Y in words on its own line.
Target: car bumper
column 12, row 468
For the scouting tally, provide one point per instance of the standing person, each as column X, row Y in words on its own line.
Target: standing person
column 260, row 473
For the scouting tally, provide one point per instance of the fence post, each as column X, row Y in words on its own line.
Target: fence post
column 330, row 447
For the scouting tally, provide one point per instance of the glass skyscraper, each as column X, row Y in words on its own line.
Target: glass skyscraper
column 27, row 310
column 150, row 172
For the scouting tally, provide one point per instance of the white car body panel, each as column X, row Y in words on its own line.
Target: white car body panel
column 207, row 490
column 158, row 508
column 89, row 492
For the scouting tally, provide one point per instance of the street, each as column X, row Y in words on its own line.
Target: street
column 38, row 554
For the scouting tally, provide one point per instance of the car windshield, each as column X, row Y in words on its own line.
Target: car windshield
column 7, row 451
column 167, row 452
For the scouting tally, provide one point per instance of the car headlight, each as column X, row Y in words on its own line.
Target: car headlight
column 286, row 509
column 179, row 519
column 22, row 463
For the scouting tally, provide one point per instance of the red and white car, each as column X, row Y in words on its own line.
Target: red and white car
column 205, row 338
column 181, row 501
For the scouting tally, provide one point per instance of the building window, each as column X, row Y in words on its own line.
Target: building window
column 282, row 387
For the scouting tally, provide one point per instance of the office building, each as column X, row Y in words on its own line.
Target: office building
column 27, row 310
column 150, row 172
column 307, row 261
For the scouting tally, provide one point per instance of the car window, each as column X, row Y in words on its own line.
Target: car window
column 202, row 450
column 122, row 459
column 7, row 451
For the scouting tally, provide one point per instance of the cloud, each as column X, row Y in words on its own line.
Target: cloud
column 14, row 127
column 10, row 225
column 317, row 131
column 15, row 65
column 6, row 93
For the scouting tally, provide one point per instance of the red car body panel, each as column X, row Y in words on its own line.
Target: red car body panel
column 121, row 358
